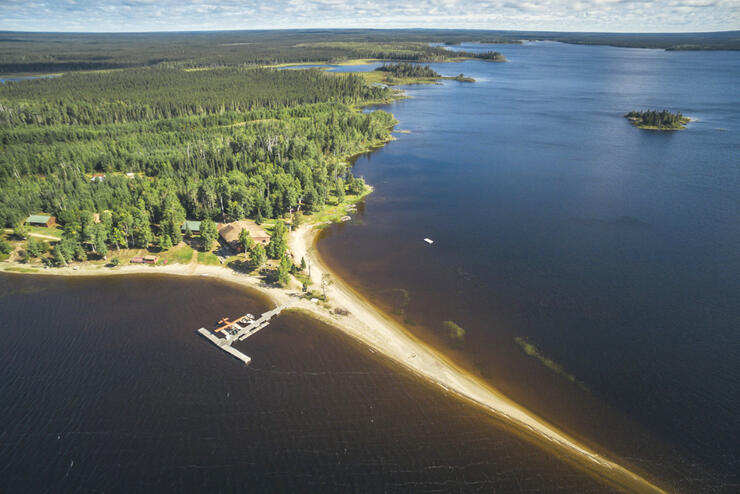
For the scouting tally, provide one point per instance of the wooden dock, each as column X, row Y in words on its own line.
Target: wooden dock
column 239, row 330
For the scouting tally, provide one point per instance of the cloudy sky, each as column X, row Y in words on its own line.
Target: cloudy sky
column 556, row 15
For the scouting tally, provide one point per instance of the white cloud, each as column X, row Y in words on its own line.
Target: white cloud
column 560, row 15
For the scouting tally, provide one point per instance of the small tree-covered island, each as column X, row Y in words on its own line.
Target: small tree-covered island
column 658, row 120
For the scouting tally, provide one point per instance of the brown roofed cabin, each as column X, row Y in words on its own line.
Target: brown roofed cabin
column 145, row 260
column 41, row 220
column 230, row 233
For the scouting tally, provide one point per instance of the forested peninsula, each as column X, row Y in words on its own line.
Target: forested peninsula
column 123, row 158
column 212, row 131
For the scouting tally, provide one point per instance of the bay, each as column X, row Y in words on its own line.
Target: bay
column 613, row 250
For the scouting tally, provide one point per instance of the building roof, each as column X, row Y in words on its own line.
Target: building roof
column 230, row 232
column 192, row 224
column 38, row 218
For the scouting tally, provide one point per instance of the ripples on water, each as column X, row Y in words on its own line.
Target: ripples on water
column 106, row 387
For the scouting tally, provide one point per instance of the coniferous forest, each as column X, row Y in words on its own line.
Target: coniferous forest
column 147, row 147
column 405, row 69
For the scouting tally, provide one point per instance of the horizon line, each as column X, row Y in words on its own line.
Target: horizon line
column 304, row 29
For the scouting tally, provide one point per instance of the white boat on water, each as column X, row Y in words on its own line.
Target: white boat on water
column 429, row 241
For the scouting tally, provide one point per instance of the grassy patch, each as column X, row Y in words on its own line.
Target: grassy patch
column 333, row 213
column 181, row 254
column 358, row 61
column 241, row 265
column 303, row 278
column 125, row 255
column 21, row 270
column 42, row 230
column 208, row 258
column 531, row 350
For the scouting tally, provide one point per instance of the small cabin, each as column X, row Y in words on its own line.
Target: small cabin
column 193, row 225
column 145, row 260
column 41, row 220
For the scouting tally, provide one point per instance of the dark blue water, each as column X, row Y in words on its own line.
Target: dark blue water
column 106, row 387
column 616, row 251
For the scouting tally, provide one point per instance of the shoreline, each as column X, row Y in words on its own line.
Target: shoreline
column 369, row 325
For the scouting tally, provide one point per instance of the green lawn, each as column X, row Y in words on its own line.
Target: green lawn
column 334, row 212
column 52, row 232
column 208, row 258
column 21, row 270
column 181, row 254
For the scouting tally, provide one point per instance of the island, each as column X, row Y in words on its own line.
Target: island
column 404, row 73
column 491, row 56
column 658, row 120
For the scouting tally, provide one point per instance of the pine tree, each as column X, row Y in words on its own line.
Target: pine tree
column 99, row 237
column 166, row 242
column 283, row 275
column 257, row 257
column 278, row 243
column 208, row 233
column 340, row 191
column 245, row 241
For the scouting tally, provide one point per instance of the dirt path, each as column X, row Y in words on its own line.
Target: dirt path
column 37, row 235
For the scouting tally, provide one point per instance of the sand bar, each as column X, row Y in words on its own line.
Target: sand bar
column 380, row 332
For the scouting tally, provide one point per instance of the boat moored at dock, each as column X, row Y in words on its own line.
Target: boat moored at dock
column 230, row 331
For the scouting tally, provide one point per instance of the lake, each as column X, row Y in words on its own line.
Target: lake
column 613, row 250
column 610, row 250
column 106, row 387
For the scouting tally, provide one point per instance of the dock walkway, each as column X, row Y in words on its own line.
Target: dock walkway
column 225, row 336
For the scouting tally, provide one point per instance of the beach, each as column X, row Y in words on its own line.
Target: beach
column 382, row 334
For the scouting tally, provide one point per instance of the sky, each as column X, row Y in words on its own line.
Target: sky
column 548, row 15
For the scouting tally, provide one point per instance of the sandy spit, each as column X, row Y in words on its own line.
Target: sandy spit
column 381, row 333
